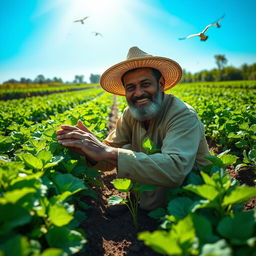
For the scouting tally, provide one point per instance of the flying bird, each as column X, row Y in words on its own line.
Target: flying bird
column 202, row 35
column 97, row 34
column 82, row 20
column 217, row 23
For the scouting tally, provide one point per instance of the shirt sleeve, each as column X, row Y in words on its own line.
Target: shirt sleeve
column 170, row 167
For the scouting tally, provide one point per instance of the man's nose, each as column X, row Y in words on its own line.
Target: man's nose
column 138, row 91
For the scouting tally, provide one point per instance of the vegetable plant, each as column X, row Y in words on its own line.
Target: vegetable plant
column 132, row 191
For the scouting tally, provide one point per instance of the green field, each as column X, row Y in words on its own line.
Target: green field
column 42, row 184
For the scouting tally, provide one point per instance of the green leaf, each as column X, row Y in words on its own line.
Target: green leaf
column 207, row 179
column 67, row 182
column 53, row 252
column 50, row 133
column 230, row 227
column 228, row 159
column 123, row 185
column 220, row 248
column 12, row 216
column 184, row 231
column 244, row 126
column 17, row 194
column 149, row 146
column 32, row 161
column 241, row 143
column 239, row 194
column 180, row 207
column 252, row 155
column 203, row 229
column 54, row 161
column 240, row 166
column 70, row 241
column 205, row 191
column 70, row 164
column 6, row 144
column 161, row 242
column 193, row 178
column 62, row 197
column 58, row 215
column 215, row 160
column 246, row 159
column 204, row 204
column 115, row 200
column 16, row 245
column 45, row 156
column 253, row 128
column 157, row 213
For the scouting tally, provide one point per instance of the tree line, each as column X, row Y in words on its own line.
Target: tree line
column 41, row 79
column 222, row 72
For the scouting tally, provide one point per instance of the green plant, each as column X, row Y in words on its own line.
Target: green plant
column 132, row 191
column 206, row 219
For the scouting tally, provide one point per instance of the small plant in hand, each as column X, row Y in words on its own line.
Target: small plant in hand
column 132, row 191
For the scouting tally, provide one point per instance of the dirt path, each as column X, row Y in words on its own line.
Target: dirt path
column 116, row 236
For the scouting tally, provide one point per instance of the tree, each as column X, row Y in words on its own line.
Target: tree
column 231, row 73
column 40, row 79
column 79, row 79
column 94, row 78
column 221, row 61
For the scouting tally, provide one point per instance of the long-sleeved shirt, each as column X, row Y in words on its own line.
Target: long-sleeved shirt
column 176, row 131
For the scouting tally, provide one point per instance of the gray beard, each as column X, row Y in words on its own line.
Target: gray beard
column 147, row 112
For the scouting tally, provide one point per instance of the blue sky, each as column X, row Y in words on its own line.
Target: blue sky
column 41, row 37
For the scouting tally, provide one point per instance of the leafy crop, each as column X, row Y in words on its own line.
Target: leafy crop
column 204, row 217
column 42, row 186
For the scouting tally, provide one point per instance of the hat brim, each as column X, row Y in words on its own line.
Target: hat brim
column 111, row 79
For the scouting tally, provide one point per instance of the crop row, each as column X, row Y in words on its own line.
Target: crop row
column 205, row 216
column 39, row 214
column 224, row 84
column 21, row 113
column 16, row 91
column 229, row 117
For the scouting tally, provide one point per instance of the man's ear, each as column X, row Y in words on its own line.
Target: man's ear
column 162, row 82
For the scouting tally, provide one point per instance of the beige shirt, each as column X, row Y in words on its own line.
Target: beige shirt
column 179, row 134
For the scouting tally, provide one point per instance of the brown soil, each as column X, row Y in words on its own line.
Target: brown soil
column 116, row 236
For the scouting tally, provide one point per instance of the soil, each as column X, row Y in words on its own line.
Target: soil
column 117, row 236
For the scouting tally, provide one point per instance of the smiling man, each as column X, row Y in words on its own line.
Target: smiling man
column 172, row 125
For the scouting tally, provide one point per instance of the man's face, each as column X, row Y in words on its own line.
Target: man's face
column 143, row 93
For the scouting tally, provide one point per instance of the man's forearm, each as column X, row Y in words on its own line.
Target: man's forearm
column 111, row 156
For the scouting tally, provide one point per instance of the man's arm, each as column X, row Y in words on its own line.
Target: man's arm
column 170, row 167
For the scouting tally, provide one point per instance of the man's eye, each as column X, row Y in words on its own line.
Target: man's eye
column 129, row 88
column 146, row 84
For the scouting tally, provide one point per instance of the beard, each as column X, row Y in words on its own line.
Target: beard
column 150, row 110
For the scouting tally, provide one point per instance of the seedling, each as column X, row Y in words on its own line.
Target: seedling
column 132, row 191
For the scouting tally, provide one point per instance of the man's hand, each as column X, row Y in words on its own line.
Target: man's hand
column 81, row 140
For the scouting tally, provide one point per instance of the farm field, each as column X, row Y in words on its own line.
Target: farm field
column 52, row 203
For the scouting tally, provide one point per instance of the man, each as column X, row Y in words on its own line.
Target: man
column 172, row 125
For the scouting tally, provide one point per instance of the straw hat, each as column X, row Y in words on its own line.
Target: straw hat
column 136, row 58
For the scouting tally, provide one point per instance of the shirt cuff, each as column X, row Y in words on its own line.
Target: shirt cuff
column 126, row 158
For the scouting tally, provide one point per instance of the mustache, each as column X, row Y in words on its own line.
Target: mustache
column 144, row 96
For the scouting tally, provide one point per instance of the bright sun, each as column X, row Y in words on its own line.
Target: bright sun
column 98, row 8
